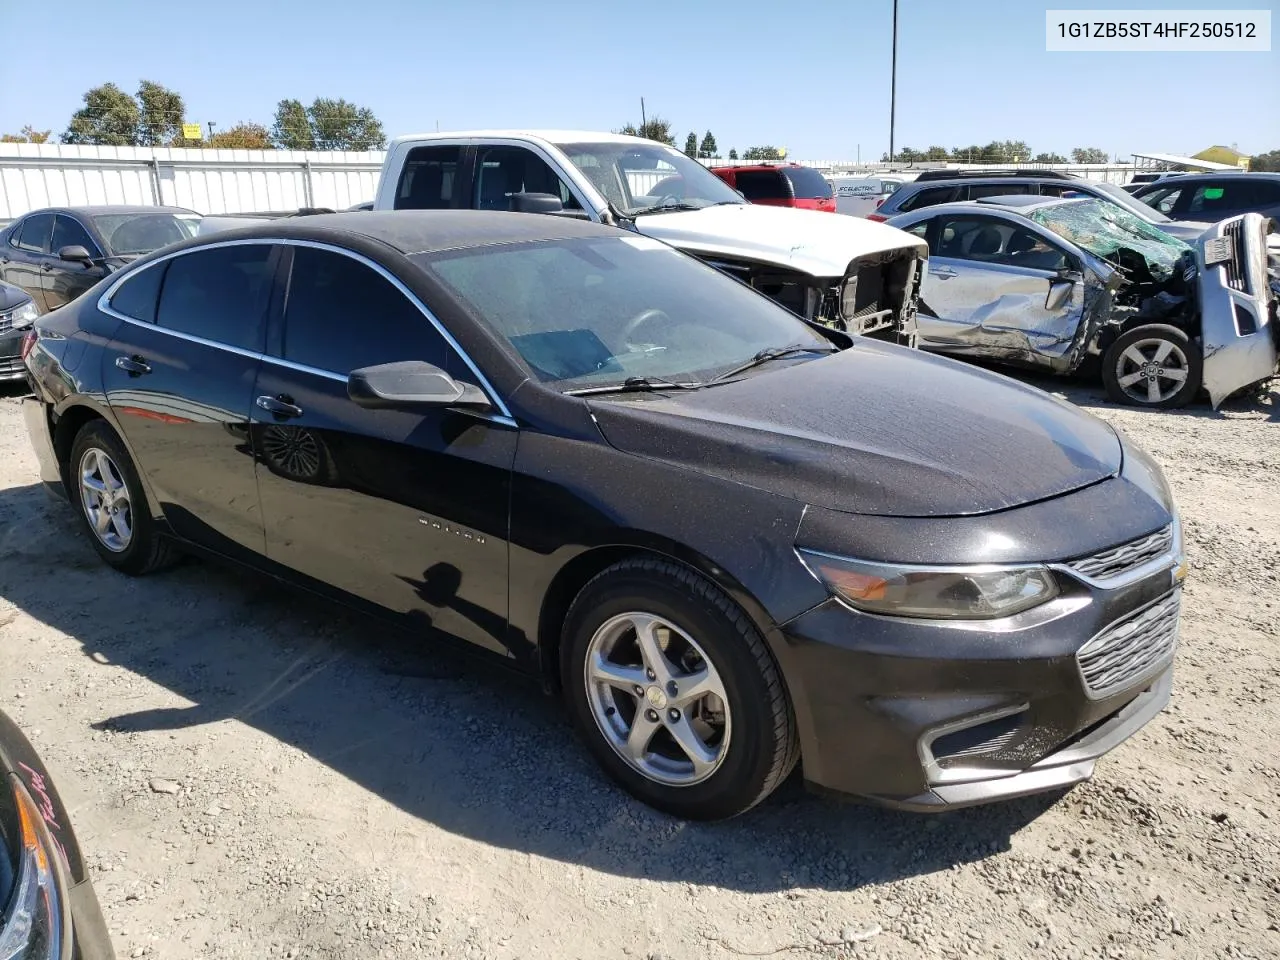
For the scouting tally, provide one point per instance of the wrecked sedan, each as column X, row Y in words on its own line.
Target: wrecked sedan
column 601, row 461
column 1077, row 284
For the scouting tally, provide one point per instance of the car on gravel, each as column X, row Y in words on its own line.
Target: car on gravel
column 17, row 313
column 48, row 909
column 857, row 276
column 609, row 465
column 1080, row 285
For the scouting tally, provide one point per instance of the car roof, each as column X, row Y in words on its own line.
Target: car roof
column 1017, row 204
column 419, row 231
column 551, row 136
column 102, row 210
column 1232, row 175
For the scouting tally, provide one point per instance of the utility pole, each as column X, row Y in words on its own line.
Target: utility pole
column 893, row 80
column 643, row 121
column 210, row 129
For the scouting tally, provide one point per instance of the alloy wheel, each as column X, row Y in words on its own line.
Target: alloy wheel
column 657, row 698
column 105, row 498
column 1153, row 370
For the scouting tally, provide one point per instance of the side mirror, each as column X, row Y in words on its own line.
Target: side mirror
column 411, row 383
column 535, row 203
column 75, row 254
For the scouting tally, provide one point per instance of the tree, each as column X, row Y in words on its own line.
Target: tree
column 1049, row 158
column 691, row 145
column 936, row 153
column 708, row 148
column 733, row 153
column 340, row 125
column 292, row 128
column 109, row 117
column 1266, row 162
column 243, row 136
column 655, row 128
column 762, row 153
column 27, row 134
column 162, row 114
column 1088, row 155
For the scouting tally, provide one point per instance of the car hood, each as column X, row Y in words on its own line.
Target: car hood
column 1188, row 231
column 877, row 429
column 810, row 241
column 11, row 296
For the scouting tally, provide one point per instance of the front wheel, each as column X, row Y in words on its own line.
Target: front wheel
column 1155, row 365
column 675, row 692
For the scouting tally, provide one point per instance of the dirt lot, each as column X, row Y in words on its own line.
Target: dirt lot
column 258, row 775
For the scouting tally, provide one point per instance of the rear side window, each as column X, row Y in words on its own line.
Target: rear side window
column 1222, row 196
column 808, row 184
column 928, row 198
column 35, row 233
column 427, row 182
column 979, row 190
column 342, row 315
column 70, row 233
column 137, row 296
column 218, row 294
column 762, row 185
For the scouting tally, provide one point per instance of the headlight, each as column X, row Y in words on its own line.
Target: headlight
column 934, row 593
column 39, row 923
column 849, row 297
column 22, row 317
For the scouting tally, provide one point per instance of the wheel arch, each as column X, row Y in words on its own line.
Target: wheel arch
column 68, row 419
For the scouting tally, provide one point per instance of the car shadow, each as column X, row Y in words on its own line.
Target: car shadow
column 451, row 739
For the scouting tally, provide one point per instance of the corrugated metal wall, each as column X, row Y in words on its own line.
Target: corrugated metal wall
column 207, row 181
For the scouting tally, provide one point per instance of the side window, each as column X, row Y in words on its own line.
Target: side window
column 35, row 233
column 1163, row 200
column 928, row 198
column 920, row 230
column 1218, row 196
column 987, row 240
column 137, row 296
column 1266, row 192
column 428, row 179
column 1056, row 189
column 219, row 294
column 342, row 315
column 70, row 233
column 502, row 171
column 979, row 190
column 763, row 185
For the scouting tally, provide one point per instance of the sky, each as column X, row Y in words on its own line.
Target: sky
column 809, row 75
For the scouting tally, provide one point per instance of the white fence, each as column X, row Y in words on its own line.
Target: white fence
column 207, row 181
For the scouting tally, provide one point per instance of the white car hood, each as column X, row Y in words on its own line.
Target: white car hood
column 819, row 244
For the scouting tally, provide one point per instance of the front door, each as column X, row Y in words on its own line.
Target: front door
column 179, row 376
column 64, row 280
column 994, row 288
column 23, row 258
column 407, row 510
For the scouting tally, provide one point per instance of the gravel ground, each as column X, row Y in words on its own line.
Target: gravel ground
column 258, row 775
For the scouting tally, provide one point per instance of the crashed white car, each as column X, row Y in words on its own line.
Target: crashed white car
column 1065, row 283
column 851, row 274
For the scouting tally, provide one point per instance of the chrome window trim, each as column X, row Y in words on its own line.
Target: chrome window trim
column 104, row 304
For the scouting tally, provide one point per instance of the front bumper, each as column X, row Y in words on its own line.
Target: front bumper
column 11, row 365
column 931, row 715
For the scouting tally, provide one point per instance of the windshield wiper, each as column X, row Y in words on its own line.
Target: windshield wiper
column 665, row 206
column 772, row 353
column 634, row 385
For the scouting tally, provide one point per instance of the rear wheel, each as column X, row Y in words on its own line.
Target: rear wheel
column 1155, row 365
column 674, row 691
column 111, row 504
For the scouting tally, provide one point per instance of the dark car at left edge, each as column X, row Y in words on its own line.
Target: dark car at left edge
column 617, row 469
column 58, row 253
column 17, row 313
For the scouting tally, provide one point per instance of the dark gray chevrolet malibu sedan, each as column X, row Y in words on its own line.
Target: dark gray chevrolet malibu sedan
column 731, row 540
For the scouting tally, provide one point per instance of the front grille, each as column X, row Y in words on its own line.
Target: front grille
column 6, row 322
column 1236, row 268
column 10, row 366
column 953, row 749
column 1128, row 650
column 1129, row 556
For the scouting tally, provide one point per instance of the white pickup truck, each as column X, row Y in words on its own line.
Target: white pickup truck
column 852, row 274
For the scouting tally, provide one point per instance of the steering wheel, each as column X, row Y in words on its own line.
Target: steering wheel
column 640, row 319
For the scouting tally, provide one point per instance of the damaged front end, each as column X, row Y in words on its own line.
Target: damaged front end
column 877, row 297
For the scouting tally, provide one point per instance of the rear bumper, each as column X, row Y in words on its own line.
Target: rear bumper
column 35, row 414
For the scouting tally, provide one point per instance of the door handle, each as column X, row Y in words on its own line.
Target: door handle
column 281, row 407
column 47, row 267
column 135, row 366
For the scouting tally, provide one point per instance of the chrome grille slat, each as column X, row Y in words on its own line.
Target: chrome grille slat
column 1236, row 268
column 1129, row 556
column 1127, row 650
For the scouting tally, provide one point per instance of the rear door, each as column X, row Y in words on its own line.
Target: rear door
column 179, row 376
column 24, row 258
column 64, row 280
column 407, row 510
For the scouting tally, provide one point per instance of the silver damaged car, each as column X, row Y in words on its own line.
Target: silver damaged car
column 1075, row 285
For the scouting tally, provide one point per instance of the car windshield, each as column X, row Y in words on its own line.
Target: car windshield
column 1134, row 206
column 648, row 177
column 131, row 234
column 1103, row 229
column 597, row 312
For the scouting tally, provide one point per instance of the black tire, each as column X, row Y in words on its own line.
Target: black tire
column 1148, row 339
column 147, row 550
column 763, row 747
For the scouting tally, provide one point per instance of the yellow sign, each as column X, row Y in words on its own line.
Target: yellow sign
column 1243, row 163
column 192, row 131
column 782, row 153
